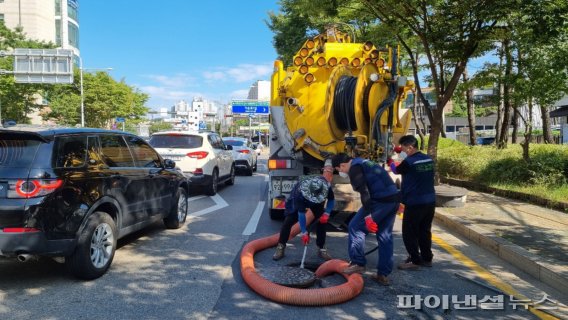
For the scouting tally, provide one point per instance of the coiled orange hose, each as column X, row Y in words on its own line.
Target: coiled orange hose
column 301, row 297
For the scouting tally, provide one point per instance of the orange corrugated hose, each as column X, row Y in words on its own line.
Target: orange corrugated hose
column 301, row 297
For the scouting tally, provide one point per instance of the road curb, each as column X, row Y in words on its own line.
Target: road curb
column 512, row 253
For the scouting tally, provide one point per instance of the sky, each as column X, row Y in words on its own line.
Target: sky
column 179, row 49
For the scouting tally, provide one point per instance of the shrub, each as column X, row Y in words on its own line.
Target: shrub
column 548, row 165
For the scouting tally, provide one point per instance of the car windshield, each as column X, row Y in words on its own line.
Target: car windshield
column 17, row 153
column 176, row 141
column 234, row 143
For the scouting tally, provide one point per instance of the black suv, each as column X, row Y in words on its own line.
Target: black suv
column 73, row 192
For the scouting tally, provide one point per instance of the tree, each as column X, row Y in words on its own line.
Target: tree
column 18, row 100
column 104, row 100
column 160, row 126
column 299, row 20
column 450, row 34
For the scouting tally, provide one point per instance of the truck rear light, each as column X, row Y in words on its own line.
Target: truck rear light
column 198, row 154
column 279, row 164
column 33, row 188
column 198, row 171
column 19, row 230
column 244, row 151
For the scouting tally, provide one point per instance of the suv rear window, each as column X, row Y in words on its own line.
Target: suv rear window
column 17, row 153
column 71, row 151
column 234, row 143
column 176, row 141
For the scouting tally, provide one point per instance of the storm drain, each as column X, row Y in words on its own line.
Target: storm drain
column 292, row 275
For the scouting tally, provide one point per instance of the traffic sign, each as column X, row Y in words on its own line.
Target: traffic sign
column 250, row 106
column 43, row 65
column 202, row 125
column 118, row 119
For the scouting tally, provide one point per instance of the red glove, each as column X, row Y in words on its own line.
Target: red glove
column 400, row 209
column 305, row 238
column 324, row 218
column 372, row 227
column 398, row 149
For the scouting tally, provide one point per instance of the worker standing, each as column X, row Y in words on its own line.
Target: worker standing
column 419, row 199
column 380, row 199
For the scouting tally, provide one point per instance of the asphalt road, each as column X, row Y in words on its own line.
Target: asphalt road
column 194, row 273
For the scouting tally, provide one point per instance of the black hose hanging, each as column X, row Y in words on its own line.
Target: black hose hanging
column 344, row 104
column 387, row 103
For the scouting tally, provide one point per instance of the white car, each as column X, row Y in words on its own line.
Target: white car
column 202, row 157
column 244, row 154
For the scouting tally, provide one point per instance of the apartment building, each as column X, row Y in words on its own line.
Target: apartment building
column 55, row 21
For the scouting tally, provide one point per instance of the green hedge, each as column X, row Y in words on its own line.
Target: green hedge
column 545, row 174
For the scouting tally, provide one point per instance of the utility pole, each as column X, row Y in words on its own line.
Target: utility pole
column 250, row 125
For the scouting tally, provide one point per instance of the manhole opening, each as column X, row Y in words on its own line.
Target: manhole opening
column 312, row 266
column 290, row 276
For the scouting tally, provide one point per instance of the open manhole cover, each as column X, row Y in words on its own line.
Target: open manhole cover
column 290, row 276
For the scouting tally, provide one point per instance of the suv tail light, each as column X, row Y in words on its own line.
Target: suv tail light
column 19, row 230
column 244, row 151
column 198, row 154
column 33, row 188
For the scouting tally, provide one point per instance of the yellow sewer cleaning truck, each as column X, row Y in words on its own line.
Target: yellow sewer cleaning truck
column 338, row 96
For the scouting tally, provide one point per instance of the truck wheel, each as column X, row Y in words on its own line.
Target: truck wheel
column 179, row 210
column 95, row 248
column 276, row 214
column 212, row 190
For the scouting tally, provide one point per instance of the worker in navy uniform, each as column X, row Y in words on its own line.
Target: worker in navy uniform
column 380, row 199
column 419, row 199
column 310, row 192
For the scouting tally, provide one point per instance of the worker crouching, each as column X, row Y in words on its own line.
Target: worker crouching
column 310, row 192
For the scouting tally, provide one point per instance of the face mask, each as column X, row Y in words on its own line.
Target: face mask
column 402, row 155
column 343, row 174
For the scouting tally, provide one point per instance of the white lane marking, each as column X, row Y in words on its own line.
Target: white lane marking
column 253, row 222
column 196, row 198
column 220, row 203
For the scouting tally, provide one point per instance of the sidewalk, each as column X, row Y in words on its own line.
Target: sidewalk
column 532, row 238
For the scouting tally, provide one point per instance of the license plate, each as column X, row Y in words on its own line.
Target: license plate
column 175, row 158
column 284, row 186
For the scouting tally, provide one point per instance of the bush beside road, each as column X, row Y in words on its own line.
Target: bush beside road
column 545, row 176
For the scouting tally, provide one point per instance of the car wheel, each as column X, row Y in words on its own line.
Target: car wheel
column 95, row 248
column 231, row 180
column 255, row 166
column 179, row 211
column 212, row 190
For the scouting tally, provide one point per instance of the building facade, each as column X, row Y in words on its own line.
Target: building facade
column 55, row 21
column 260, row 90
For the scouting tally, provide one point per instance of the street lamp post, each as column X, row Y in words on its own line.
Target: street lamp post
column 81, row 88
column 82, row 97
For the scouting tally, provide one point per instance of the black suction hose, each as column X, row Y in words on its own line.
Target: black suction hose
column 344, row 104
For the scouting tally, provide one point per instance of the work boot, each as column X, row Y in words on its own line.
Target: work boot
column 322, row 253
column 279, row 254
column 380, row 279
column 426, row 264
column 354, row 268
column 408, row 266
